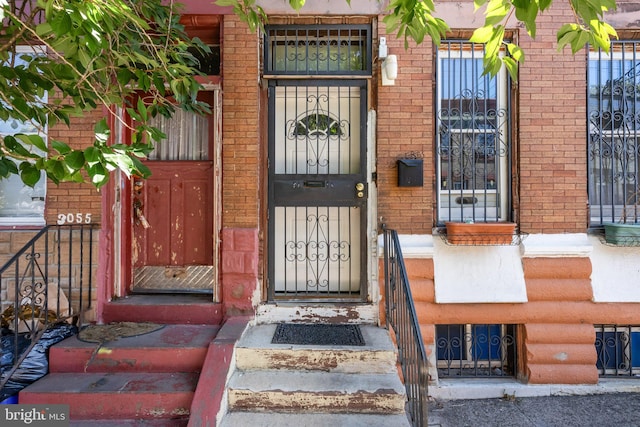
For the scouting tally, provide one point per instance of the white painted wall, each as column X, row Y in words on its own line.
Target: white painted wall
column 469, row 274
column 494, row 274
column 616, row 272
column 478, row 274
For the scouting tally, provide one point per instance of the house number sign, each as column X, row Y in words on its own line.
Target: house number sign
column 74, row 218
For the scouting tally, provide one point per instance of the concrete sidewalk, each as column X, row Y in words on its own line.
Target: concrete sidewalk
column 599, row 410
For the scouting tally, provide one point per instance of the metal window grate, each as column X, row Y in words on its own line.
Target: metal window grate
column 473, row 137
column 476, row 350
column 318, row 50
column 618, row 349
column 613, row 120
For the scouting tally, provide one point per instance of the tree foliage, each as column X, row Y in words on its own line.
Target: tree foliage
column 415, row 20
column 87, row 55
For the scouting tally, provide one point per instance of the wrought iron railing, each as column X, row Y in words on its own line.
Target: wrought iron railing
column 402, row 320
column 48, row 282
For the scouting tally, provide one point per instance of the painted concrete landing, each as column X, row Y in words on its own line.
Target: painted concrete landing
column 172, row 348
column 255, row 351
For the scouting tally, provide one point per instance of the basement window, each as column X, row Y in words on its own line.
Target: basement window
column 476, row 350
column 618, row 349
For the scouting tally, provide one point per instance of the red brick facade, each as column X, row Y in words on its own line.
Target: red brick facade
column 549, row 192
column 241, row 150
column 67, row 200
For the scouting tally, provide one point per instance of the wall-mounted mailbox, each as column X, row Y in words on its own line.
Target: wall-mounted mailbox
column 410, row 173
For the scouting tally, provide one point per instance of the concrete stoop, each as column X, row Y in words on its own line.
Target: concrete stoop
column 294, row 385
column 149, row 379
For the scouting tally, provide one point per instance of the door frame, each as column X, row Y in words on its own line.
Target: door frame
column 122, row 216
column 367, row 258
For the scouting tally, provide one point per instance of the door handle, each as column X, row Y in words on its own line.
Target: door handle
column 360, row 190
column 137, row 210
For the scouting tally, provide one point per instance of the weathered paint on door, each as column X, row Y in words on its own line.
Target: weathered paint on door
column 173, row 210
column 177, row 204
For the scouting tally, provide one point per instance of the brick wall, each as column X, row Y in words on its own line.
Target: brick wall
column 405, row 129
column 240, row 126
column 552, row 129
column 72, row 198
column 550, row 133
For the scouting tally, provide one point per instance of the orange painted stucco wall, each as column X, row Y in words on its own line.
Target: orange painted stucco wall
column 556, row 336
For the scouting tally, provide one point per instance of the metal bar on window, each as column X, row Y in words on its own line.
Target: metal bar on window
column 473, row 137
column 613, row 127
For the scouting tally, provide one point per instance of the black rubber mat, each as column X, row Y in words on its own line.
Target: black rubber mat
column 318, row 334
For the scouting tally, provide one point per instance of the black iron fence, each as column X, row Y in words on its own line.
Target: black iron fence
column 618, row 349
column 476, row 350
column 402, row 320
column 47, row 283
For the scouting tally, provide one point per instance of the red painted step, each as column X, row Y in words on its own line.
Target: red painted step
column 131, row 423
column 172, row 348
column 194, row 309
column 108, row 396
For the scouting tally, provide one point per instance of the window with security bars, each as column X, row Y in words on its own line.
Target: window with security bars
column 618, row 350
column 476, row 350
column 613, row 151
column 473, row 137
column 318, row 50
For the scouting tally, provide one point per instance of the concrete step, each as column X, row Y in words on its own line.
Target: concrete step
column 169, row 422
column 172, row 348
column 256, row 352
column 194, row 309
column 108, row 396
column 309, row 392
column 252, row 419
column 314, row 385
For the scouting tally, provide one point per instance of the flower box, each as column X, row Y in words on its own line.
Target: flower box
column 480, row 233
column 621, row 234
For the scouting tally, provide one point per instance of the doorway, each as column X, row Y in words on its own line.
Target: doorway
column 173, row 241
column 317, row 190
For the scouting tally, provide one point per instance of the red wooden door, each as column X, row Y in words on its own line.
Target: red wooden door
column 173, row 210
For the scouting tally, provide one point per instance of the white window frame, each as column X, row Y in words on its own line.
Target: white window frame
column 40, row 189
column 449, row 195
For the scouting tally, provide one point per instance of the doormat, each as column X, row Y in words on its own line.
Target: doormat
column 317, row 334
column 114, row 331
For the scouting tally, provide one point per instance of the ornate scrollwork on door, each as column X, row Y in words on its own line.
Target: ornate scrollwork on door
column 318, row 251
column 317, row 127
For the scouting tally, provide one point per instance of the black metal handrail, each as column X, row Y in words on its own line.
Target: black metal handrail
column 403, row 321
column 49, row 281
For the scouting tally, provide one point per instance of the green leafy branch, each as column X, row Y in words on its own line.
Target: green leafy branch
column 415, row 20
column 91, row 55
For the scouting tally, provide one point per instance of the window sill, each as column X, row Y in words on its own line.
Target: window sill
column 21, row 223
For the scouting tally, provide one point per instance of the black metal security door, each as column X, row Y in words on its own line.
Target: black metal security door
column 317, row 190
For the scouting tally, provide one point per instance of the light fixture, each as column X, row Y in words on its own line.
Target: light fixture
column 389, row 70
column 382, row 50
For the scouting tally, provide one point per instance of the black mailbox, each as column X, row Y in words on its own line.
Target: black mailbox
column 410, row 173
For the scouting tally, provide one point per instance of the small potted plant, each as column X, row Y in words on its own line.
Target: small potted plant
column 625, row 232
column 480, row 233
